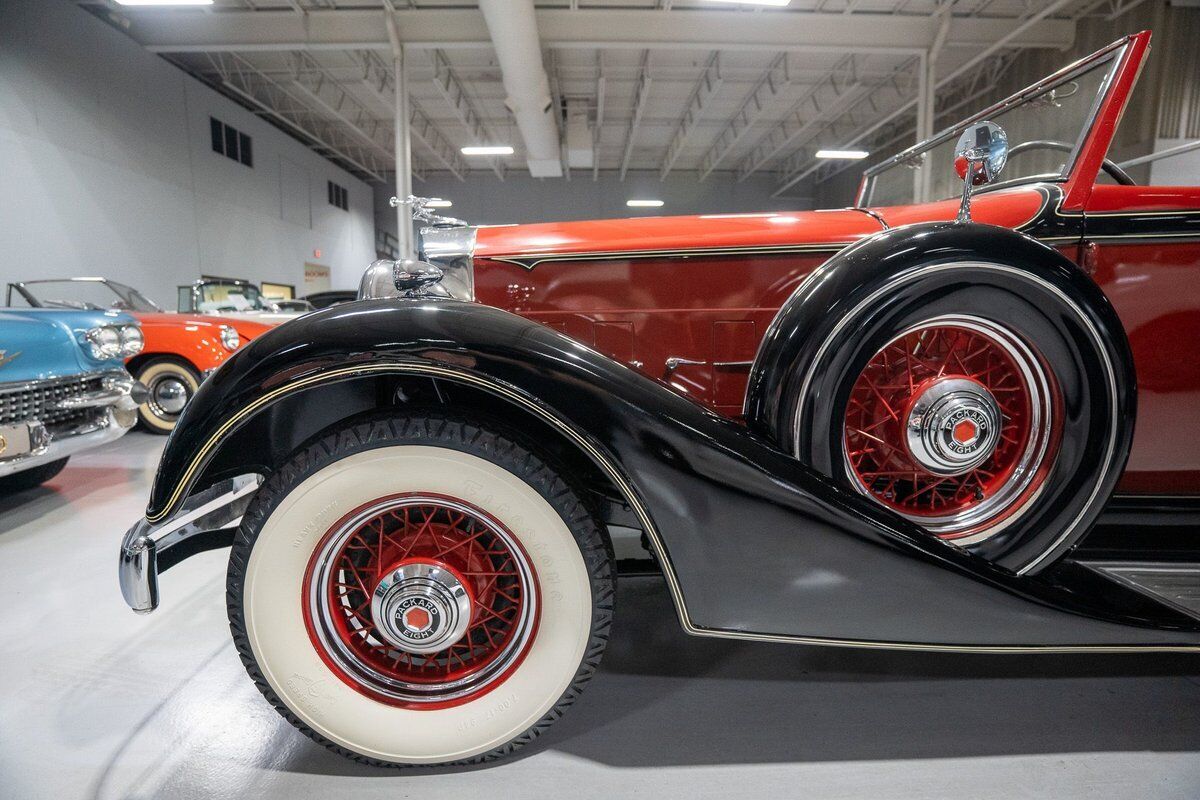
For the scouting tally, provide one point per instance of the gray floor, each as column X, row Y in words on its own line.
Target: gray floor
column 96, row 702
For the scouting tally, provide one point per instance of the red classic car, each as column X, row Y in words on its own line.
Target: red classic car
column 180, row 348
column 688, row 300
column 888, row 426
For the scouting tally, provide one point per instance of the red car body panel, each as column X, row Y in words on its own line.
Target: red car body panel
column 193, row 338
column 687, row 299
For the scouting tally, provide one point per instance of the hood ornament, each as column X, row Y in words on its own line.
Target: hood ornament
column 979, row 156
column 422, row 211
column 444, row 266
column 5, row 358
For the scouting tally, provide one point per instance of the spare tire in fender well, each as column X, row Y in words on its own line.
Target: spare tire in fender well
column 852, row 306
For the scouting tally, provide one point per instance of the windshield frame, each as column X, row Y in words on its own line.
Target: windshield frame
column 260, row 303
column 1117, row 52
column 120, row 290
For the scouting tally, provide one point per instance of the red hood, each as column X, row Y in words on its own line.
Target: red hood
column 826, row 227
column 247, row 330
column 820, row 229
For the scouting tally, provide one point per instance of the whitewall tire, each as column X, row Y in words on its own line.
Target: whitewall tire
column 377, row 505
column 171, row 385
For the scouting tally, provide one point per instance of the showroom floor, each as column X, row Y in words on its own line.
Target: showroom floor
column 96, row 702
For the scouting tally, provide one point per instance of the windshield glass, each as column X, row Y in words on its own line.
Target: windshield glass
column 230, row 297
column 1045, row 130
column 87, row 294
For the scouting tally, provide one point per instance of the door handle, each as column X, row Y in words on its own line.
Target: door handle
column 675, row 362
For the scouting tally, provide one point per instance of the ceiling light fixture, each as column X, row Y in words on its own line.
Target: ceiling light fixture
column 487, row 150
column 644, row 203
column 853, row 155
column 165, row 2
column 778, row 3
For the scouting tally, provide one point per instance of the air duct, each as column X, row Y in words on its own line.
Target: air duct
column 513, row 28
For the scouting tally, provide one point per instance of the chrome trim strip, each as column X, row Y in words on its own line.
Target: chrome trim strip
column 530, row 261
column 121, row 414
column 24, row 386
column 108, row 430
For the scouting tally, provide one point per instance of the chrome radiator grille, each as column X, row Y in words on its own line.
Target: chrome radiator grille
column 37, row 400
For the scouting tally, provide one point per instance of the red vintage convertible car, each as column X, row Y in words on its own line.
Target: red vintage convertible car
column 889, row 426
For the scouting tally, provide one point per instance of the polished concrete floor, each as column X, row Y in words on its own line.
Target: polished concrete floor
column 96, row 702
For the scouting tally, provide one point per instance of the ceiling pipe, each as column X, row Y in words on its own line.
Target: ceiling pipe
column 512, row 25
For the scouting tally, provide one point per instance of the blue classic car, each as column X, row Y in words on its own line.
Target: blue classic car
column 63, row 388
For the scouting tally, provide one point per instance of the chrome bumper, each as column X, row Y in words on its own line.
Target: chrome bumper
column 214, row 509
column 120, row 396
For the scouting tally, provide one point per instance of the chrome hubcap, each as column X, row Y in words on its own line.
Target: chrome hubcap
column 953, row 426
column 171, row 395
column 421, row 607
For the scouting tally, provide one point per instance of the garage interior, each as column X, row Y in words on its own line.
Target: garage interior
column 263, row 139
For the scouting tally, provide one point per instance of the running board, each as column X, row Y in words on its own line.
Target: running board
column 1175, row 583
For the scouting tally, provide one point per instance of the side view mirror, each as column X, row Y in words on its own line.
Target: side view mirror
column 979, row 157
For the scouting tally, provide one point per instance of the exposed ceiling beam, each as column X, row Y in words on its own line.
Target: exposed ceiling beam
column 456, row 97
column 840, row 130
column 322, row 91
column 379, row 79
column 761, row 99
column 274, row 100
column 1012, row 38
column 824, row 100
column 639, row 107
column 953, row 102
column 698, row 104
column 687, row 29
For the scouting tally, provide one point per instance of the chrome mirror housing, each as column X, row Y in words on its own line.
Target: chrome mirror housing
column 979, row 157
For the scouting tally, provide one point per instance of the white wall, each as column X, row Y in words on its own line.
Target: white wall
column 1180, row 170
column 484, row 199
column 106, row 168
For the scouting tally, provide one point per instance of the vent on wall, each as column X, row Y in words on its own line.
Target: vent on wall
column 230, row 142
column 338, row 196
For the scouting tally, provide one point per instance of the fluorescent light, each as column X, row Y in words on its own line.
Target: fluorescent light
column 438, row 202
column 853, row 155
column 754, row 2
column 644, row 203
column 487, row 150
column 165, row 2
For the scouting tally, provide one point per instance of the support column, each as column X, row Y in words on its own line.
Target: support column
column 927, row 87
column 403, row 145
column 924, row 103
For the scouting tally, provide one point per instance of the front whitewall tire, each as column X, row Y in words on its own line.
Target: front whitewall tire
column 320, row 699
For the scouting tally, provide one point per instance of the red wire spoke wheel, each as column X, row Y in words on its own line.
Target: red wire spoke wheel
column 952, row 424
column 421, row 601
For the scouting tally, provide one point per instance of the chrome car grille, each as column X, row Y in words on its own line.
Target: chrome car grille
column 38, row 400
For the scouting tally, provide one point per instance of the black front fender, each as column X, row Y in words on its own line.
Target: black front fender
column 751, row 542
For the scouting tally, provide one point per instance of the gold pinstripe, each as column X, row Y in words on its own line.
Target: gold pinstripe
column 643, row 516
